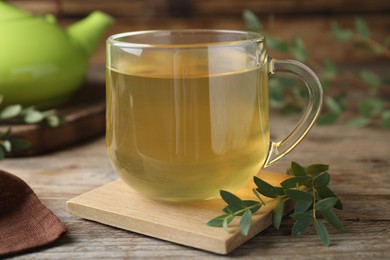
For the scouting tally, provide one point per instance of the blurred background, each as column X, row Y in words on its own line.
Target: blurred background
column 309, row 19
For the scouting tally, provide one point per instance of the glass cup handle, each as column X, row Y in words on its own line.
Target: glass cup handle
column 280, row 149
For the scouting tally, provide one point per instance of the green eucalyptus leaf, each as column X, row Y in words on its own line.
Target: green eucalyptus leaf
column 296, row 181
column 277, row 44
column 298, row 49
column 53, row 121
column 27, row 110
column 378, row 49
column 315, row 169
column 10, row 111
column 302, row 206
column 33, row 117
column 278, row 213
column 252, row 22
column 6, row 133
column 362, row 28
column 322, row 232
column 331, row 217
column 325, row 192
column 326, row 204
column 371, row 79
column 6, row 145
column 225, row 224
column 253, row 205
column 19, row 144
column 297, row 170
column 301, row 225
column 265, row 188
column 330, row 70
column 302, row 216
column 232, row 200
column 321, row 180
column 371, row 107
column 299, row 195
column 328, row 118
column 385, row 119
column 257, row 194
column 218, row 221
column 359, row 121
column 245, row 222
column 340, row 34
column 250, row 204
column 333, row 105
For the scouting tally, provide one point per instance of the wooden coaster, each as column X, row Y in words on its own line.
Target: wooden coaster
column 118, row 205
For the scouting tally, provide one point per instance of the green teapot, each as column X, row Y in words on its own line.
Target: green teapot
column 42, row 64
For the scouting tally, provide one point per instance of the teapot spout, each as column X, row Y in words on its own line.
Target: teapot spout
column 88, row 32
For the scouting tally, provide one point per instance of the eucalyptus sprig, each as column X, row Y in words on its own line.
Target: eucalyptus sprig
column 16, row 114
column 308, row 188
column 287, row 95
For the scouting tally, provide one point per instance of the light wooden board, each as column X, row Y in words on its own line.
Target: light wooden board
column 116, row 204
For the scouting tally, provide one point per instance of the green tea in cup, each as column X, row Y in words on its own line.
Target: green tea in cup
column 187, row 111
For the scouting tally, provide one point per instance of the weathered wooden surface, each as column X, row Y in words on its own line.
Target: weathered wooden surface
column 360, row 165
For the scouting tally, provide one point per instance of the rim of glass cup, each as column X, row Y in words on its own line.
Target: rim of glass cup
column 115, row 40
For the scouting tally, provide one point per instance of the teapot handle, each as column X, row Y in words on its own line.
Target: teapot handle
column 281, row 148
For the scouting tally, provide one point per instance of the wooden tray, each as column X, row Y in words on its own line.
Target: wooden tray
column 85, row 119
column 116, row 204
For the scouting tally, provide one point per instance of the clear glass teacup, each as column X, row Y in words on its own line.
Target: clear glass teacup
column 187, row 110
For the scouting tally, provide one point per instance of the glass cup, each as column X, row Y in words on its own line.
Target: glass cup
column 187, row 110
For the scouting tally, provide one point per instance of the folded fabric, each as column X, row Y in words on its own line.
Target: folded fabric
column 25, row 223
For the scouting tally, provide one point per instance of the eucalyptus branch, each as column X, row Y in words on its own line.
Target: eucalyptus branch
column 308, row 188
column 16, row 114
column 287, row 96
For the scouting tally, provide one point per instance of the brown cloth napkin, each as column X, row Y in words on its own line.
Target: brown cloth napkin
column 25, row 223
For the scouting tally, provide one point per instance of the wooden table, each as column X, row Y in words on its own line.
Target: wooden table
column 360, row 164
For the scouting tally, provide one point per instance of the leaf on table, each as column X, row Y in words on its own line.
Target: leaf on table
column 296, row 182
column 10, row 111
column 385, row 119
column 245, row 222
column 218, row 221
column 326, row 192
column 321, row 180
column 331, row 217
column 326, row 204
column 302, row 206
column 265, row 188
column 315, row 169
column 33, row 117
column 322, row 232
column 296, row 169
column 371, row 107
column 359, row 121
column 252, row 22
column 299, row 195
column 362, row 28
column 339, row 33
column 328, row 118
column 301, row 224
column 278, row 213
